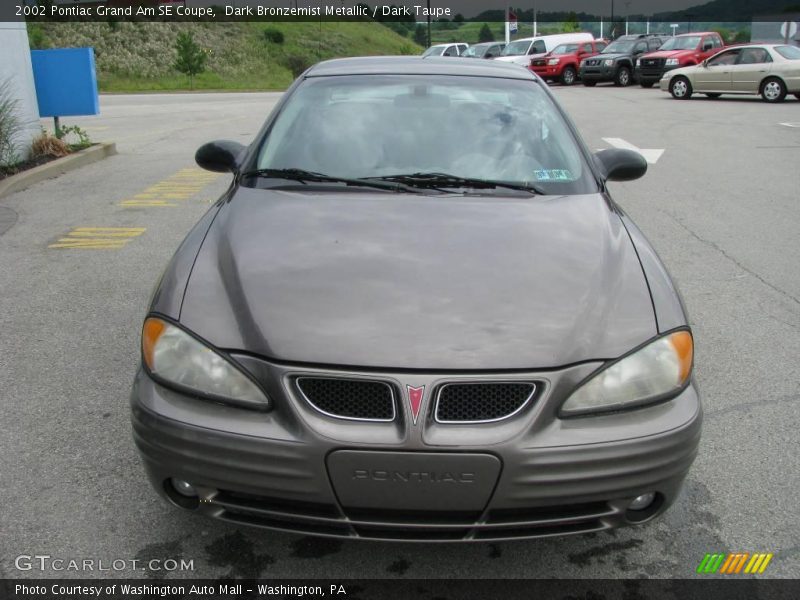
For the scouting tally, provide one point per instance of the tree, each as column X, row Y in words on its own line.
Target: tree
column 485, row 34
column 571, row 24
column 191, row 59
column 421, row 36
column 459, row 18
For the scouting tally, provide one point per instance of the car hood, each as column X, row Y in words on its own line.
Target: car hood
column 667, row 53
column 615, row 55
column 419, row 282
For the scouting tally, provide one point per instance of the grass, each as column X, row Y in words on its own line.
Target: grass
column 139, row 56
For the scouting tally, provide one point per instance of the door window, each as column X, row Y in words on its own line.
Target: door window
column 754, row 56
column 724, row 59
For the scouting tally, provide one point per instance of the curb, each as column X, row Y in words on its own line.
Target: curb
column 57, row 167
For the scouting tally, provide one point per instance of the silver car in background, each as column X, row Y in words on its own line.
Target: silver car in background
column 769, row 70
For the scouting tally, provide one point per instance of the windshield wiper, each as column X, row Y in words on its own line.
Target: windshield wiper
column 304, row 176
column 440, row 180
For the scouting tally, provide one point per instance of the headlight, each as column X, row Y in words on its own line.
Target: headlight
column 652, row 373
column 671, row 62
column 553, row 62
column 175, row 357
column 638, row 62
column 608, row 62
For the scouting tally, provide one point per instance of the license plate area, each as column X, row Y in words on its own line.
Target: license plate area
column 420, row 481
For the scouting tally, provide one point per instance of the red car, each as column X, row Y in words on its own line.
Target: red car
column 562, row 62
column 680, row 51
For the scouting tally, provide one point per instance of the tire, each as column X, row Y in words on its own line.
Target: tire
column 623, row 77
column 589, row 83
column 773, row 90
column 569, row 76
column 647, row 84
column 713, row 95
column 797, row 96
column 680, row 88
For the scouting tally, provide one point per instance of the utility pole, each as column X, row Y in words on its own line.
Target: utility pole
column 429, row 23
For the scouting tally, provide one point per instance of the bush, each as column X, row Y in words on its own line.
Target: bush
column 10, row 125
column 273, row 36
column 297, row 64
column 485, row 34
column 49, row 145
column 191, row 59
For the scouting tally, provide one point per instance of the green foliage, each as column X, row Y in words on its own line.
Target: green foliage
column 571, row 25
column 485, row 34
column 742, row 37
column 297, row 64
column 11, row 125
column 191, row 59
column 83, row 140
column 36, row 37
column 273, row 36
column 459, row 18
column 421, row 35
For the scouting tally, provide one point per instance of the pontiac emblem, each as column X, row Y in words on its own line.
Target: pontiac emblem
column 415, row 395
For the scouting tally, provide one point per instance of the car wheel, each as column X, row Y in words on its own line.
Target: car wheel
column 589, row 83
column 680, row 88
column 797, row 96
column 623, row 77
column 646, row 84
column 569, row 76
column 773, row 90
column 713, row 94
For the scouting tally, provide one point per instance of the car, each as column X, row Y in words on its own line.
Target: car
column 769, row 70
column 680, row 51
column 562, row 63
column 446, row 50
column 521, row 51
column 616, row 61
column 484, row 50
column 417, row 314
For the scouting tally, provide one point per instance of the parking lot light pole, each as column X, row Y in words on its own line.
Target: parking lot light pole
column 429, row 23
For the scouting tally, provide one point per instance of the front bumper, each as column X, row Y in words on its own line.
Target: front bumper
column 547, row 71
column 652, row 75
column 555, row 477
column 598, row 73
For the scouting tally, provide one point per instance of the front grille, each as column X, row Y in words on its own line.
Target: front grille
column 354, row 399
column 375, row 524
column 538, row 63
column 592, row 63
column 652, row 62
column 481, row 402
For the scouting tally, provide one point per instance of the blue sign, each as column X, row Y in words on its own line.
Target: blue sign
column 66, row 82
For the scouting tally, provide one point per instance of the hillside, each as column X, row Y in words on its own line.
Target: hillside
column 139, row 56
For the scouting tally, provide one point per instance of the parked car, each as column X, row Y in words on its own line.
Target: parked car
column 562, row 63
column 441, row 331
column 484, row 50
column 522, row 50
column 446, row 50
column 680, row 51
column 771, row 70
column 616, row 61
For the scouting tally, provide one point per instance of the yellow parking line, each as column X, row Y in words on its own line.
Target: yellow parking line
column 98, row 238
column 182, row 185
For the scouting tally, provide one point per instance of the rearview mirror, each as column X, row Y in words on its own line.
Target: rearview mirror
column 617, row 164
column 221, row 156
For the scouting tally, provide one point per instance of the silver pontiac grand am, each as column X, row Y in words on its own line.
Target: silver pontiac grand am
column 417, row 314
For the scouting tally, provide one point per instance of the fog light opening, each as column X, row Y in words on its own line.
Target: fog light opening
column 644, row 507
column 181, row 493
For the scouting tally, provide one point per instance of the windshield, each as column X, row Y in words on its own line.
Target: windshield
column 476, row 50
column 790, row 52
column 369, row 126
column 565, row 49
column 681, row 43
column 516, row 48
column 434, row 51
column 620, row 46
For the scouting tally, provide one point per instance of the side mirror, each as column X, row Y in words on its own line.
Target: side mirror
column 617, row 164
column 707, row 47
column 220, row 156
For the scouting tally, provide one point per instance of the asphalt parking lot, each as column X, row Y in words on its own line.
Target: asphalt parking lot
column 721, row 205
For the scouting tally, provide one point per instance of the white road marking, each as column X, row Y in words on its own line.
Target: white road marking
column 651, row 155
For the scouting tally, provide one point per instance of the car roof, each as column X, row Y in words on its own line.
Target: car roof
column 696, row 33
column 418, row 65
